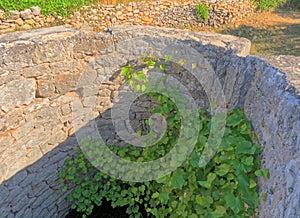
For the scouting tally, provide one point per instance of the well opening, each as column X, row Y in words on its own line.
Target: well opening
column 54, row 81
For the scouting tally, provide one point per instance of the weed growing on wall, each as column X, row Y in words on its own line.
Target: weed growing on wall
column 225, row 187
column 202, row 12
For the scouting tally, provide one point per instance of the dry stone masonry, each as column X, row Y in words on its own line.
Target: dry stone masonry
column 162, row 13
column 44, row 100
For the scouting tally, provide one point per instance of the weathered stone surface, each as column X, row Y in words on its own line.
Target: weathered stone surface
column 45, row 88
column 26, row 14
column 17, row 93
column 65, row 82
column 35, row 10
column 6, row 76
column 40, row 71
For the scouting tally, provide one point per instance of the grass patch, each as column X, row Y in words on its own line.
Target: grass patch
column 202, row 12
column 51, row 7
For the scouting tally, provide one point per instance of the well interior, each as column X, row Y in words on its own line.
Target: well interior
column 50, row 79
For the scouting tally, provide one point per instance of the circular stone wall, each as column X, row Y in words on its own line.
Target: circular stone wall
column 55, row 81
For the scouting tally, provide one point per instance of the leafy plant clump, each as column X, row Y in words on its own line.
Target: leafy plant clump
column 52, row 7
column 225, row 187
column 202, row 12
column 268, row 4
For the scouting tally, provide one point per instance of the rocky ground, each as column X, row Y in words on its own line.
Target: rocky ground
column 162, row 13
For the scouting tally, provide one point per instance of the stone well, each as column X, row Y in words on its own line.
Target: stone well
column 54, row 81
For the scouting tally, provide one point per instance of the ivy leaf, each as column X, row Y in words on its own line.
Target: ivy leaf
column 154, row 212
column 142, row 188
column 223, row 169
column 243, row 180
column 245, row 147
column 143, row 88
column 162, row 67
column 263, row 172
column 125, row 71
column 177, row 181
column 139, row 76
column 164, row 198
column 155, row 195
column 250, row 197
column 220, row 211
column 248, row 161
column 210, row 178
column 233, row 202
column 204, row 201
column 150, row 63
column 252, row 184
column 137, row 88
column 235, row 118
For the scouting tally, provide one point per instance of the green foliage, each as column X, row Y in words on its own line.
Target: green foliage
column 53, row 7
column 202, row 11
column 268, row 4
column 225, row 187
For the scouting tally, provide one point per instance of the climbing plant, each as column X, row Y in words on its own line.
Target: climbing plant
column 225, row 187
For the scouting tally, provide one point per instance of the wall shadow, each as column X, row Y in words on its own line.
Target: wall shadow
column 283, row 39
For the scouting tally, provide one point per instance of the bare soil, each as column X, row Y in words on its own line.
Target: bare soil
column 271, row 33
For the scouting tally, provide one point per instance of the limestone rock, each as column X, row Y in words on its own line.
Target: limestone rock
column 17, row 93
column 26, row 14
column 45, row 88
column 35, row 10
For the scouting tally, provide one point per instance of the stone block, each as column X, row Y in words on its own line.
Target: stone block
column 51, row 50
column 4, row 193
column 42, row 198
column 72, row 66
column 35, row 10
column 15, row 192
column 13, row 119
column 17, row 179
column 20, row 55
column 87, row 90
column 25, row 212
column 57, row 137
column 23, row 130
column 26, row 14
column 39, row 71
column 45, row 88
column 6, row 76
column 38, row 189
column 20, row 203
column 66, row 82
column 90, row 102
column 36, row 211
column 6, row 140
column 17, row 93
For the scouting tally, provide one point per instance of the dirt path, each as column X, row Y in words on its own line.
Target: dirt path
column 271, row 33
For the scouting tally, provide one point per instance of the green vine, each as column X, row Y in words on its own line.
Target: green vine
column 225, row 187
